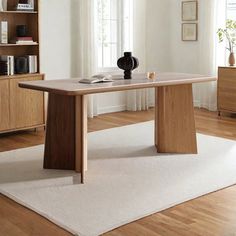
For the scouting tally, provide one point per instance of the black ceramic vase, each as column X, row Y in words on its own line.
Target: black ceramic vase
column 128, row 63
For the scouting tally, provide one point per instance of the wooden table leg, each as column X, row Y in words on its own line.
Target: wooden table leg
column 81, row 136
column 174, row 120
column 66, row 134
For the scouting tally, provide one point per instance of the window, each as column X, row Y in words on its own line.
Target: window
column 114, row 30
column 231, row 9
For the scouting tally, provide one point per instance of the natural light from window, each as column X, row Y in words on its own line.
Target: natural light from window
column 115, row 30
column 231, row 9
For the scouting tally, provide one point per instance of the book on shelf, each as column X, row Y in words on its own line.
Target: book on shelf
column 4, row 32
column 100, row 78
column 7, row 65
column 25, row 42
column 27, row 38
column 33, row 64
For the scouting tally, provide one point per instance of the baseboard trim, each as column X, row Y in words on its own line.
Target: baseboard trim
column 110, row 109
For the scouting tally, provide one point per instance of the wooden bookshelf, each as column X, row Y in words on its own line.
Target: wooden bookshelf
column 20, row 109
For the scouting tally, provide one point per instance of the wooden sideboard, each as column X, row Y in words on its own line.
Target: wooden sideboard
column 226, row 97
column 20, row 108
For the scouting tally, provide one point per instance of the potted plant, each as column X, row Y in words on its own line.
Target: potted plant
column 229, row 33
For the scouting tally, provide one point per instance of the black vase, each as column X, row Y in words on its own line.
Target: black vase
column 21, row 30
column 128, row 63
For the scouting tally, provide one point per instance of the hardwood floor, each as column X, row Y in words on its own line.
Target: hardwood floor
column 210, row 215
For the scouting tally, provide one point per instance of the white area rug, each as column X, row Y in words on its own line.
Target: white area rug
column 126, row 180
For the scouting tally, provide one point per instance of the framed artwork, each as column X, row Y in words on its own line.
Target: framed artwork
column 189, row 32
column 189, row 10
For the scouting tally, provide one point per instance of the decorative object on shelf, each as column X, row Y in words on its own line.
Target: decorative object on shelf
column 189, row 31
column 22, row 35
column 4, row 32
column 21, row 65
column 128, row 63
column 231, row 59
column 31, row 3
column 3, row 5
column 21, row 31
column 228, row 33
column 25, row 5
column 189, row 10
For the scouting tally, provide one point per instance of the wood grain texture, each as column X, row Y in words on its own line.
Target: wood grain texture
column 4, row 105
column 73, row 87
column 60, row 133
column 26, row 106
column 81, row 135
column 210, row 215
column 227, row 89
column 66, row 134
column 174, row 121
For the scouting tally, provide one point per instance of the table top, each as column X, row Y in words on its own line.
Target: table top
column 72, row 87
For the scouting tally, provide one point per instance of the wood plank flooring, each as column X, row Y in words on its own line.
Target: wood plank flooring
column 210, row 215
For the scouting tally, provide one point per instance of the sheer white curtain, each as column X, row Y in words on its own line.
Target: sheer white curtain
column 87, row 48
column 212, row 15
column 137, row 100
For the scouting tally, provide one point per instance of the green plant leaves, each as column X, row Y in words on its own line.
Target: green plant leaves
column 229, row 33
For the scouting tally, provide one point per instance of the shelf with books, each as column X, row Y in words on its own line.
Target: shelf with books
column 12, row 65
column 20, row 61
column 18, row 12
column 18, row 44
column 21, row 5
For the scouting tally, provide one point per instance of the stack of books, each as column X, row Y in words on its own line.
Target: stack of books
column 25, row 40
column 8, row 64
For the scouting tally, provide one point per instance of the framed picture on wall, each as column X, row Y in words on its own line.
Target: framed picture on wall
column 189, row 10
column 189, row 31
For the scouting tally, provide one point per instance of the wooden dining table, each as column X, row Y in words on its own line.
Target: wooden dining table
column 66, row 129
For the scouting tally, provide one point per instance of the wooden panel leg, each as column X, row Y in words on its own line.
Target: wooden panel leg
column 66, row 130
column 174, row 120
column 81, row 136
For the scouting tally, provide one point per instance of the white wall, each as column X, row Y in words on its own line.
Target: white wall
column 184, row 55
column 55, row 38
column 158, row 43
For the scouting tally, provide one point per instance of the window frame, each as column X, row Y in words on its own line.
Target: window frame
column 120, row 36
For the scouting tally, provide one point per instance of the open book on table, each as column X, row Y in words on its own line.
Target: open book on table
column 97, row 79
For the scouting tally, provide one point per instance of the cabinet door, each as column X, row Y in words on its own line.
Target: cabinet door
column 227, row 89
column 26, row 106
column 4, row 105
